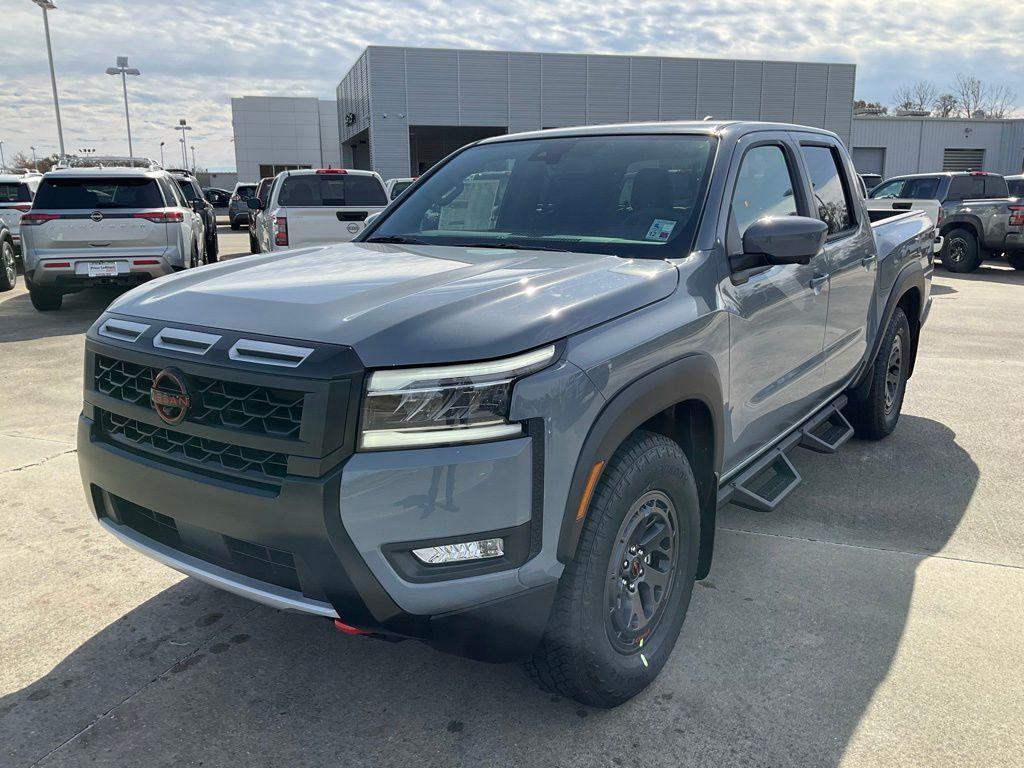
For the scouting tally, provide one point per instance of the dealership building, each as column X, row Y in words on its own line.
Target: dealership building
column 400, row 110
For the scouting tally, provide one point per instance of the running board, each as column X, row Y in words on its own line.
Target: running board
column 826, row 432
column 764, row 484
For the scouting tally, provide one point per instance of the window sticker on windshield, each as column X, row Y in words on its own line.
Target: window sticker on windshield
column 660, row 230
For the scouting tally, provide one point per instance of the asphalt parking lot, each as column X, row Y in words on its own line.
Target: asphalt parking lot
column 874, row 620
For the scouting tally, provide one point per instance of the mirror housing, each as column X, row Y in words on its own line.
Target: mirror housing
column 785, row 239
column 254, row 203
column 371, row 218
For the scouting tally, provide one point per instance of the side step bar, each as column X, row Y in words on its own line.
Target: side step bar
column 764, row 484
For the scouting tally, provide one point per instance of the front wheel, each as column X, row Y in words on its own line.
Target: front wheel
column 876, row 416
column 960, row 251
column 254, row 245
column 212, row 249
column 622, row 600
column 1015, row 259
column 8, row 266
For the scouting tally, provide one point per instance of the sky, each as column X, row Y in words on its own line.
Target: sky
column 195, row 55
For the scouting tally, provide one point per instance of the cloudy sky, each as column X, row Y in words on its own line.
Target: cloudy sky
column 195, row 56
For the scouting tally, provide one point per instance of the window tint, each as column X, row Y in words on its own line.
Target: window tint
column 966, row 188
column 831, row 200
column 68, row 193
column 14, row 193
column 995, row 186
column 332, row 189
column 1016, row 187
column 764, row 187
column 630, row 196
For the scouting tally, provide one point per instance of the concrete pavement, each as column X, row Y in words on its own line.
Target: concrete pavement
column 876, row 619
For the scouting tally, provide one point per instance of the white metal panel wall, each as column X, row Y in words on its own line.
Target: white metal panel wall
column 354, row 97
column 644, row 89
column 811, row 94
column 274, row 130
column 746, row 98
column 608, row 80
column 679, row 89
column 715, row 83
column 778, row 92
column 838, row 104
column 390, row 109
column 483, row 88
column 525, row 92
column 564, row 90
column 432, row 78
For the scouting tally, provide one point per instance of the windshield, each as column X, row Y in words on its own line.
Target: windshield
column 336, row 189
column 71, row 193
column 631, row 196
column 188, row 190
column 245, row 192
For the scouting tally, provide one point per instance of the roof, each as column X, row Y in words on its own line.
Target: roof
column 339, row 171
column 698, row 127
column 15, row 178
column 87, row 172
column 933, row 174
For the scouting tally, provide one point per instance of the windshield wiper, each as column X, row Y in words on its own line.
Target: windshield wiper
column 396, row 240
column 513, row 247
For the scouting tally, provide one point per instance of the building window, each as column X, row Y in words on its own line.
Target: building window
column 273, row 170
column 963, row 159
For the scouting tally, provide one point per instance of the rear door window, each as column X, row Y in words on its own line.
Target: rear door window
column 966, row 188
column 828, row 185
column 14, row 192
column 1015, row 187
column 995, row 186
column 343, row 190
column 98, row 193
column 922, row 189
column 888, row 189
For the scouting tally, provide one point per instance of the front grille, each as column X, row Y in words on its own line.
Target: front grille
column 189, row 449
column 264, row 563
column 244, row 407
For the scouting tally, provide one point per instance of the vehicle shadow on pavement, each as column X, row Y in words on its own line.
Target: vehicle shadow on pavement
column 781, row 655
column 1003, row 275
column 23, row 322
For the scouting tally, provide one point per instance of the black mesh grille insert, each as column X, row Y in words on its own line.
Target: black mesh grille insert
column 245, row 407
column 264, row 563
column 211, row 454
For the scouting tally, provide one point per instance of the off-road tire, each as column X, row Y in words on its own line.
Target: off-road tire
column 960, row 251
column 8, row 266
column 876, row 416
column 46, row 299
column 1015, row 259
column 576, row 657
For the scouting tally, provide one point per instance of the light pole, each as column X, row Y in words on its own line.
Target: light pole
column 123, row 69
column 193, row 148
column 35, row 163
column 49, row 5
column 162, row 154
column 183, row 126
column 3, row 163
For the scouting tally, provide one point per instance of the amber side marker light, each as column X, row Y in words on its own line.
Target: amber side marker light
column 588, row 490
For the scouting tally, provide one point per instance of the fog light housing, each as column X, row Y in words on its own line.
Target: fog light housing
column 461, row 552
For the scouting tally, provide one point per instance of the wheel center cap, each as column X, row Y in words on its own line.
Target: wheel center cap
column 634, row 568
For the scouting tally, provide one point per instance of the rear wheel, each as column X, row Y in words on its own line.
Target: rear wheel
column 622, row 600
column 212, row 249
column 46, row 299
column 235, row 225
column 960, row 251
column 8, row 266
column 876, row 416
column 1015, row 259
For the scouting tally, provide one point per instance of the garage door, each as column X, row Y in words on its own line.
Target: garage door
column 869, row 160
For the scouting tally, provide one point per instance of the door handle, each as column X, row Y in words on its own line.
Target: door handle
column 866, row 261
column 818, row 281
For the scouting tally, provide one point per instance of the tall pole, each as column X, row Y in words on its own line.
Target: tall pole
column 53, row 77
column 161, row 154
column 127, row 119
column 193, row 159
column 3, row 163
column 183, row 126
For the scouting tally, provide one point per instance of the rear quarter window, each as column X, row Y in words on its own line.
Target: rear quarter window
column 94, row 194
column 14, row 192
column 995, row 186
column 1015, row 187
column 332, row 189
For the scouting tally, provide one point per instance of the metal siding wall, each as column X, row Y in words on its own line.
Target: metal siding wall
column 564, row 90
column 433, row 83
column 483, row 88
column 354, row 97
column 644, row 89
column 746, row 99
column 524, row 92
column 679, row 89
column 811, row 92
column 715, row 83
column 778, row 92
column 607, row 90
column 389, row 136
column 839, row 100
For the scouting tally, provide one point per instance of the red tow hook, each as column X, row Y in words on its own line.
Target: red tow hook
column 348, row 629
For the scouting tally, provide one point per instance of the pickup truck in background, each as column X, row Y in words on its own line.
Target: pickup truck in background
column 316, row 207
column 977, row 219
column 503, row 420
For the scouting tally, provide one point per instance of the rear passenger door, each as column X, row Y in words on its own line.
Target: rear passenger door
column 777, row 323
column 849, row 256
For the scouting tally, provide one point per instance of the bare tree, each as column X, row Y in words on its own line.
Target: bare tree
column 918, row 97
column 945, row 105
column 23, row 162
column 999, row 101
column 970, row 95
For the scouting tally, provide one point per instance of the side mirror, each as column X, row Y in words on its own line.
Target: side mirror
column 785, row 239
column 371, row 218
column 254, row 203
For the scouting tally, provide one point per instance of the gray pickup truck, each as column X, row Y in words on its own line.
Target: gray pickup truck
column 502, row 421
column 978, row 217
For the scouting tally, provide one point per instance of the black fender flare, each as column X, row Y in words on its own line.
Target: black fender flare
column 691, row 377
column 911, row 276
column 975, row 223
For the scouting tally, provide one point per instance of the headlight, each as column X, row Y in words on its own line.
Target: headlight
column 409, row 407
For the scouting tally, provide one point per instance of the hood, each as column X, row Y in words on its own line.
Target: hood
column 407, row 305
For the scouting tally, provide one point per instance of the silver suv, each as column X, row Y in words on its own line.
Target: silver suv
column 106, row 226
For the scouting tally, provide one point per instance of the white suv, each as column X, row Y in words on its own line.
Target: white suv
column 106, row 226
column 16, row 194
column 315, row 207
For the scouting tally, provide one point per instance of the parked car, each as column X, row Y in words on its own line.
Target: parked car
column 870, row 180
column 978, row 219
column 1015, row 186
column 218, row 198
column 194, row 196
column 106, row 226
column 16, row 194
column 315, row 207
column 395, row 187
column 238, row 211
column 260, row 196
column 8, row 265
column 502, row 420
